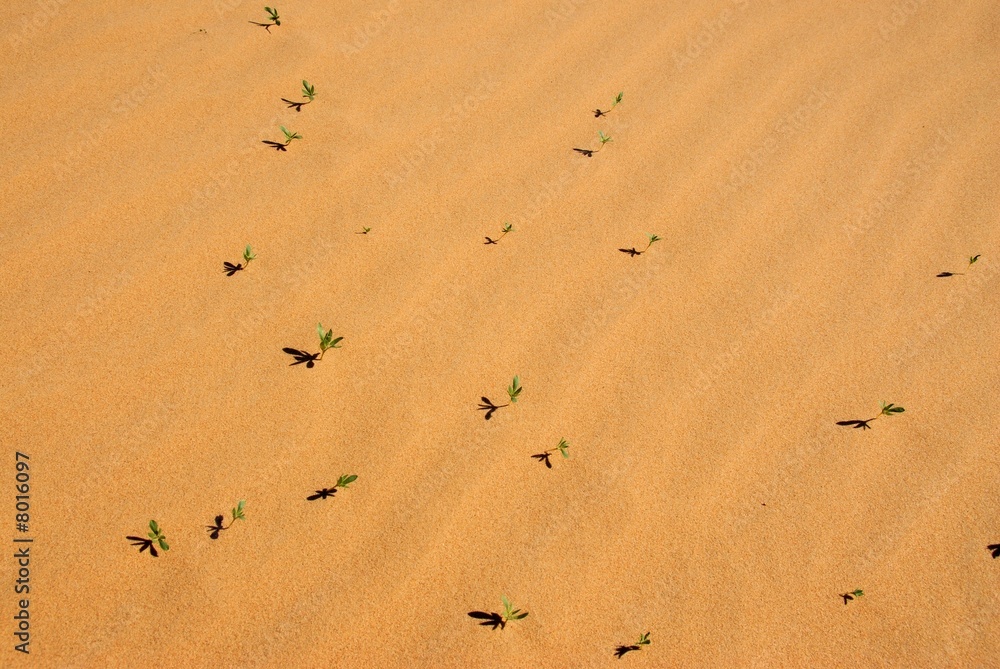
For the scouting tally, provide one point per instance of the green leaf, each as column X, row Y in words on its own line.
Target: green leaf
column 506, row 603
column 973, row 259
column 153, row 526
column 319, row 329
column 163, row 544
column 519, row 616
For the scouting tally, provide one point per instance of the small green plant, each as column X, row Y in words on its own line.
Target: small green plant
column 888, row 410
column 364, row 231
column 272, row 19
column 854, row 594
column 513, row 392
column 604, row 139
column 155, row 535
column 633, row 252
column 289, row 136
column 230, row 269
column 507, row 227
column 643, row 641
column 544, row 455
column 308, row 92
column 972, row 261
column 499, row 620
column 618, row 98
column 344, row 481
column 213, row 530
column 326, row 342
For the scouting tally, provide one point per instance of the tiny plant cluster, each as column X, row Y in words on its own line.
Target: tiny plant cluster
column 289, row 136
column 326, row 342
column 602, row 138
column 544, row 455
column 851, row 596
column 972, row 261
column 618, row 99
column 272, row 19
column 507, row 227
column 633, row 252
column 344, row 481
column 888, row 410
column 643, row 641
column 213, row 530
column 156, row 535
column 230, row 269
column 499, row 620
column 308, row 92
column 513, row 391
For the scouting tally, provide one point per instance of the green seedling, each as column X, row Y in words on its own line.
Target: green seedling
column 364, row 231
column 849, row 596
column 155, row 536
column 972, row 261
column 888, row 410
column 308, row 92
column 272, row 19
column 618, row 98
column 326, row 342
column 643, row 641
column 289, row 136
column 544, row 455
column 344, row 481
column 513, row 391
column 495, row 620
column 507, row 227
column 213, row 530
column 633, row 252
column 604, row 139
column 230, row 269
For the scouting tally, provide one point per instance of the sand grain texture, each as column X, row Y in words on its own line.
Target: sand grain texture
column 810, row 166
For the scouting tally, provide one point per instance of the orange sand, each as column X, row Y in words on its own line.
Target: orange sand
column 810, row 165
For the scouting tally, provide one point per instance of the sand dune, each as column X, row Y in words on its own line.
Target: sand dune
column 810, row 167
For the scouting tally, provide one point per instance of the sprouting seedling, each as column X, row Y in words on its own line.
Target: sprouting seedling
column 854, row 594
column 633, row 252
column 344, row 481
column 495, row 620
column 213, row 530
column 604, row 139
column 972, row 261
column 326, row 340
column 308, row 92
column 544, row 455
column 289, row 136
column 489, row 407
column 643, row 641
column 507, row 227
column 272, row 17
column 230, row 269
column 155, row 536
column 618, row 98
column 364, row 231
column 888, row 410
column 514, row 389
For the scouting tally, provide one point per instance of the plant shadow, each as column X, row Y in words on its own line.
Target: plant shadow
column 278, row 146
column 301, row 357
column 856, row 424
column 296, row 105
column 632, row 252
column 587, row 152
column 994, row 549
column 493, row 620
column 621, row 650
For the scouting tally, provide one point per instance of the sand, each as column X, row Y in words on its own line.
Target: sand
column 810, row 167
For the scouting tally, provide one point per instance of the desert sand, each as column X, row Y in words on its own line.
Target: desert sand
column 810, row 166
